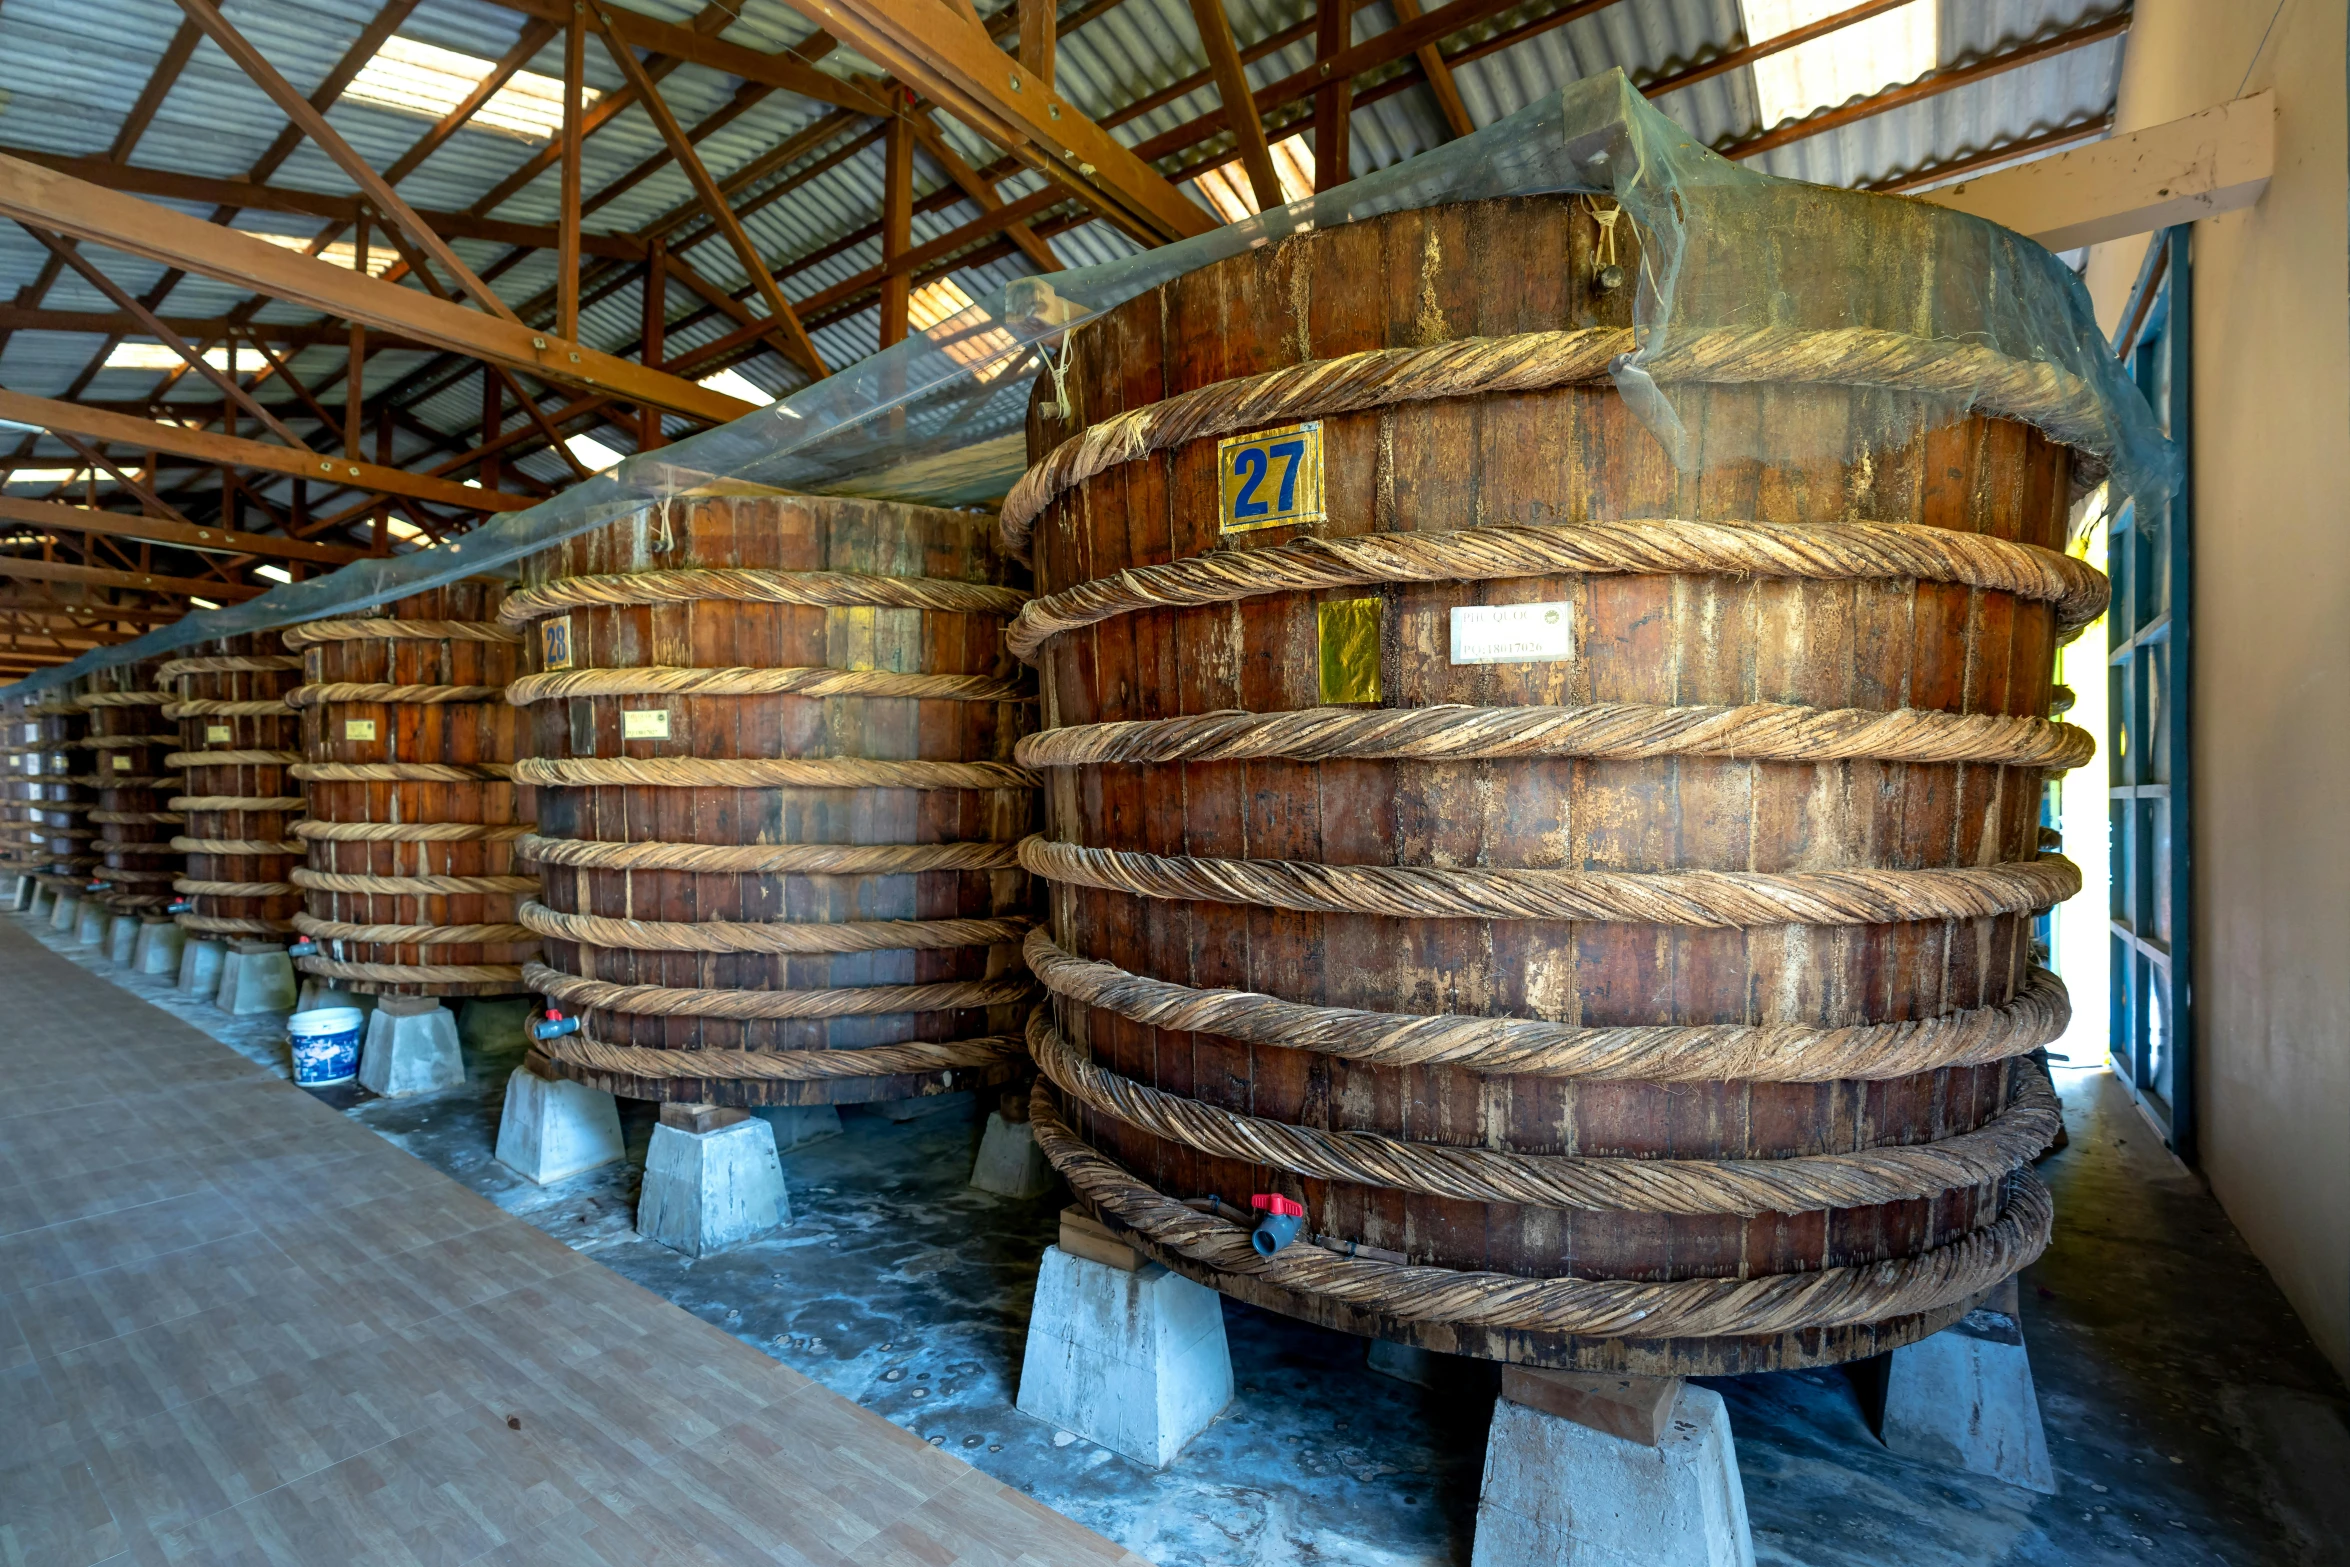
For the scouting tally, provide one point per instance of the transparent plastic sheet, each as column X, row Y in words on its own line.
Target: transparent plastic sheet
column 939, row 418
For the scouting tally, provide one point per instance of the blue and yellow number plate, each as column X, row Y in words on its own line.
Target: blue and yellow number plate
column 1271, row 479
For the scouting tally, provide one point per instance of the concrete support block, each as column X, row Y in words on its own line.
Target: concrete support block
column 66, row 912
column 796, row 1126
column 200, row 965
column 24, row 895
column 44, row 901
column 256, row 976
column 92, row 920
column 159, row 946
column 1963, row 1399
column 122, row 938
column 552, row 1128
column 411, row 1048
column 1133, row 1359
column 491, row 1024
column 708, row 1191
column 1009, row 1163
column 1560, row 1493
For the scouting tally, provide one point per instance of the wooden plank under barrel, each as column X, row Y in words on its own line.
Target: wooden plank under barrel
column 127, row 740
column 238, row 739
column 1614, row 984
column 778, row 813
column 408, row 748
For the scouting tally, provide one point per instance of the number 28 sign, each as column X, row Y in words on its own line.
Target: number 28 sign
column 1270, row 479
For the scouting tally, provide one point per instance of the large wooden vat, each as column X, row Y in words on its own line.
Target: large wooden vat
column 20, row 738
column 60, row 805
column 778, row 813
column 127, row 740
column 1716, row 884
column 408, row 748
column 238, row 739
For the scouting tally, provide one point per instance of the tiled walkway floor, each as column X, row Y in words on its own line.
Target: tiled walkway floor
column 237, row 1327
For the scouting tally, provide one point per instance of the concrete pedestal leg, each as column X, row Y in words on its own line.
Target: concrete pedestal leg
column 1627, row 1471
column 44, row 901
column 712, row 1180
column 1009, row 1163
column 411, row 1048
column 256, row 976
column 489, row 1024
column 91, row 922
column 1120, row 1351
column 160, row 944
column 552, row 1128
column 796, row 1126
column 200, row 963
column 122, row 938
column 1963, row 1399
column 66, row 913
column 25, row 894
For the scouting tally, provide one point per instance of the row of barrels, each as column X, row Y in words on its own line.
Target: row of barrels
column 1581, row 941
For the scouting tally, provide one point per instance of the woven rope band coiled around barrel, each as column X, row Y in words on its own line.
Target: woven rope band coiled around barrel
column 665, row 680
column 1827, row 552
column 1756, row 732
column 123, row 699
column 426, row 886
column 226, row 663
column 298, row 637
column 236, row 802
column 509, row 974
column 1978, row 377
column 232, row 758
column 1804, row 1183
column 233, row 889
column 274, row 707
column 854, row 1001
column 1600, row 1308
column 379, row 691
column 584, row 1052
column 1713, row 899
column 831, row 772
column 789, row 937
column 238, row 848
column 412, row 832
column 119, row 742
column 1536, row 1047
column 790, row 859
column 414, row 935
column 755, row 585
column 402, row 772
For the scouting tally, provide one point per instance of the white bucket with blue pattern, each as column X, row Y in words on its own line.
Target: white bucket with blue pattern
column 326, row 1045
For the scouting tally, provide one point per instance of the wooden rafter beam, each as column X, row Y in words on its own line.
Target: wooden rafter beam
column 121, row 323
column 688, row 44
column 68, row 206
column 976, row 186
column 155, row 530
column 1215, row 33
column 75, row 610
column 1441, row 85
column 92, row 576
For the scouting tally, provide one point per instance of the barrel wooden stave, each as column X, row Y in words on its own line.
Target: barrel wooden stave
column 1666, row 638
column 135, row 858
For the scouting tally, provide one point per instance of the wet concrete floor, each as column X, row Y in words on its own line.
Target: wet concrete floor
column 2189, row 1416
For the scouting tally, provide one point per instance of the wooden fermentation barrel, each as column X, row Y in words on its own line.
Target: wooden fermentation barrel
column 21, row 851
column 60, row 806
column 1617, row 982
column 127, row 741
column 778, row 814
column 238, row 739
column 408, row 759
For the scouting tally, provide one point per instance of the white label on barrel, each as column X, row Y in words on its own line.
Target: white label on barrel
column 122, row 764
column 1513, row 633
column 32, row 764
column 215, row 734
column 644, row 723
column 32, row 731
column 358, row 728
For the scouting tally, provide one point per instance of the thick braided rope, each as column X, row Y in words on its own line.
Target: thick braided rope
column 126, row 873
column 750, row 585
column 801, row 859
column 402, row 772
column 1820, row 552
column 232, row 758
column 583, row 1052
column 664, row 680
column 834, row 772
column 119, row 742
column 233, row 889
column 1537, row 1047
column 298, row 637
column 123, row 699
column 411, row 886
column 169, row 818
column 379, row 691
column 274, row 707
column 1715, row 899
column 243, row 848
column 778, row 936
column 1449, row 732
column 1806, row 1183
column 225, row 663
column 413, row 935
column 2040, row 394
column 415, row 973
column 233, row 925
column 1600, row 1308
column 412, row 832
column 857, row 1001
column 236, row 802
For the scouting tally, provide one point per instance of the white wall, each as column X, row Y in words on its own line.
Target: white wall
column 2271, row 709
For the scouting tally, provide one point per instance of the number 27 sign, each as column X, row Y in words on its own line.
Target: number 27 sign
column 1270, row 479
